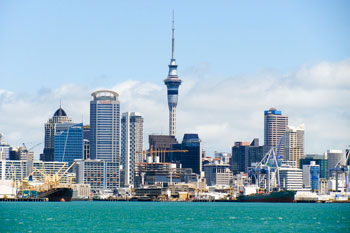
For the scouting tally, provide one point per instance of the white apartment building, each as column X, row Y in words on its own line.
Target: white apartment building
column 294, row 143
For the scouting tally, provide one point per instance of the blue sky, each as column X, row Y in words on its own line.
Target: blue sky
column 49, row 47
column 49, row 43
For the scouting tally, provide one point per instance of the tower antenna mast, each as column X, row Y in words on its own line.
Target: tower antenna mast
column 173, row 37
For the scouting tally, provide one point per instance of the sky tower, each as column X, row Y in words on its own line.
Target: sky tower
column 172, row 82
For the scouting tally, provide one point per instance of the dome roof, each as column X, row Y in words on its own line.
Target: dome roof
column 59, row 113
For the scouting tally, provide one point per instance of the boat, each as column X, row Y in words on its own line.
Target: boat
column 63, row 194
column 274, row 196
column 50, row 188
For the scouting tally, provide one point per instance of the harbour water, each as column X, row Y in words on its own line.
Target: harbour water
column 173, row 217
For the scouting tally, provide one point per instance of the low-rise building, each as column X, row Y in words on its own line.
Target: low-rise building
column 218, row 174
column 99, row 174
column 20, row 169
column 163, row 174
column 311, row 176
column 4, row 149
column 81, row 191
column 291, row 178
column 319, row 160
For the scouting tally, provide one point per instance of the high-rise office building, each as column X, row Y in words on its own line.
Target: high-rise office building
column 68, row 144
column 275, row 125
column 59, row 117
column 294, row 144
column 131, row 144
column 172, row 82
column 244, row 154
column 161, row 143
column 192, row 158
column 105, row 126
column 240, row 157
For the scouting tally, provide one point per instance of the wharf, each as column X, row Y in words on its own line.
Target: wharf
column 24, row 199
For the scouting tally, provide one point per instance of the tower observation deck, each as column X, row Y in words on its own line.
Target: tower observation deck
column 172, row 82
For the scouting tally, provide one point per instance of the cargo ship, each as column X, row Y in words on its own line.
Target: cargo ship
column 274, row 196
column 57, row 194
column 50, row 188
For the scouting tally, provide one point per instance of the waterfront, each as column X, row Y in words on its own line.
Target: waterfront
column 173, row 217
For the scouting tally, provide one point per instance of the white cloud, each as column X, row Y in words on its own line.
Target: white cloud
column 221, row 111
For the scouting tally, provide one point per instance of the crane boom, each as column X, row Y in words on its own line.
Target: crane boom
column 66, row 170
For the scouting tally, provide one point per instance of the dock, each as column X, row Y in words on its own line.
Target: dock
column 24, row 199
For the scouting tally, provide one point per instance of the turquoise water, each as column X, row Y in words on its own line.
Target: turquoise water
column 173, row 217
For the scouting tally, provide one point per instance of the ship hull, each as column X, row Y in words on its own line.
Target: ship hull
column 58, row 194
column 281, row 196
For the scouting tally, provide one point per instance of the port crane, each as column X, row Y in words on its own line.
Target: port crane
column 341, row 169
column 31, row 148
column 266, row 172
column 51, row 181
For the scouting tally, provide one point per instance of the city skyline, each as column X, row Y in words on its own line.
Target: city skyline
column 310, row 89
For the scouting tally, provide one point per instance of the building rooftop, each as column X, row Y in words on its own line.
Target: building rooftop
column 273, row 111
column 59, row 113
column 104, row 94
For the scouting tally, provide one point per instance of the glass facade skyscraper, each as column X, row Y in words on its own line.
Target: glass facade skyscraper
column 68, row 144
column 105, row 126
column 59, row 116
column 244, row 154
column 193, row 157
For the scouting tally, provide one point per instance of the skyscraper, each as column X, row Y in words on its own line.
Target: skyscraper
column 131, row 143
column 172, row 82
column 68, row 142
column 275, row 125
column 294, row 144
column 244, row 154
column 193, row 157
column 105, row 126
column 161, row 143
column 59, row 116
